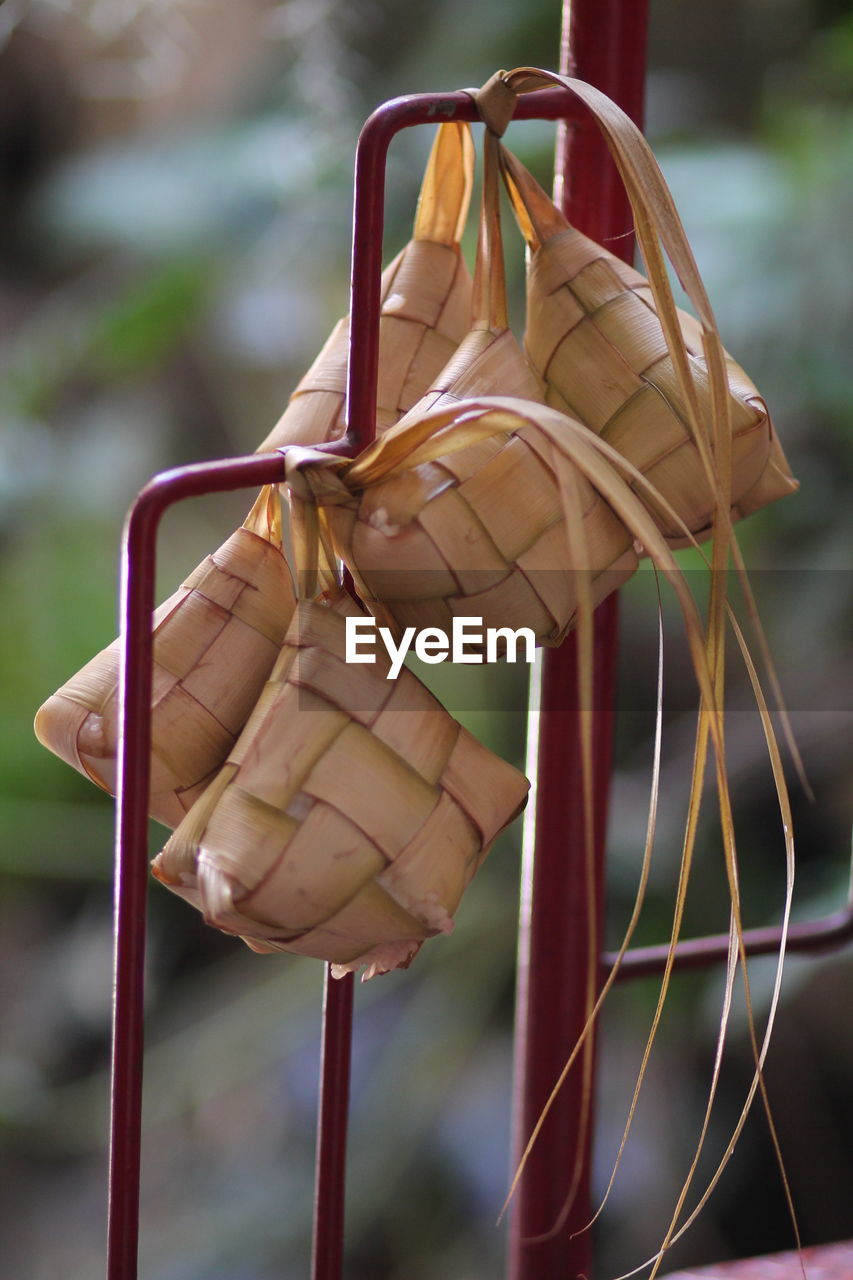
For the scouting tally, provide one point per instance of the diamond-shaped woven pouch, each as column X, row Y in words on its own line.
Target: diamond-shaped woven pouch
column 457, row 511
column 614, row 352
column 425, row 307
column 351, row 813
column 233, row 610
column 229, row 616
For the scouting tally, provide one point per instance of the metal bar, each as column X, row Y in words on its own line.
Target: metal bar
column 829, row 933
column 131, row 850
column 604, row 43
column 328, row 1239
column 559, row 939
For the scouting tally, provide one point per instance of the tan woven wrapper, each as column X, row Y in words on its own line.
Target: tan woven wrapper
column 215, row 641
column 478, row 528
column 425, row 307
column 463, row 513
column 594, row 336
column 489, row 360
column 202, row 638
column 349, row 817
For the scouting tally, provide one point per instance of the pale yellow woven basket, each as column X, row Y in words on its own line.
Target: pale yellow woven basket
column 489, row 359
column 464, row 514
column 424, row 310
column 349, row 817
column 232, row 612
column 594, row 337
column 614, row 352
column 215, row 641
column 446, row 517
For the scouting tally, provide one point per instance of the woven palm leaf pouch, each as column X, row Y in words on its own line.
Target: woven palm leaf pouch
column 230, row 615
column 615, row 352
column 351, row 813
column 468, row 514
column 461, row 512
column 425, row 305
column 489, row 359
column 232, row 612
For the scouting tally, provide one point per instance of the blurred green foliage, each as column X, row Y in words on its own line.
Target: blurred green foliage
column 177, row 200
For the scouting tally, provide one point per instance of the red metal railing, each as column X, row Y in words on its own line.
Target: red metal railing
column 559, row 937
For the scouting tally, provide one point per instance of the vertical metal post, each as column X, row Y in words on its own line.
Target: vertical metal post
column 327, row 1251
column 139, row 551
column 131, row 889
column 603, row 43
column 327, row 1245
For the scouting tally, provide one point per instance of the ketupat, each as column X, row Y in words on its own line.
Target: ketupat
column 489, row 360
column 198, row 713
column 706, row 489
column 596, row 335
column 230, row 614
column 350, row 815
column 439, row 519
column 425, row 307
column 465, row 513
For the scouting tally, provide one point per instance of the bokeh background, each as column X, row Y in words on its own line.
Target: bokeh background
column 175, row 194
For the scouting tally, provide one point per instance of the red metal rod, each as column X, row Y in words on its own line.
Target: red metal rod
column 603, row 43
column 829, row 933
column 131, row 854
column 560, row 926
column 330, row 1181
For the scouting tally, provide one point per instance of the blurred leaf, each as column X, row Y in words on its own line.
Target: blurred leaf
column 145, row 324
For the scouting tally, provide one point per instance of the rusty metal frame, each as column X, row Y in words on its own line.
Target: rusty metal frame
column 554, row 958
